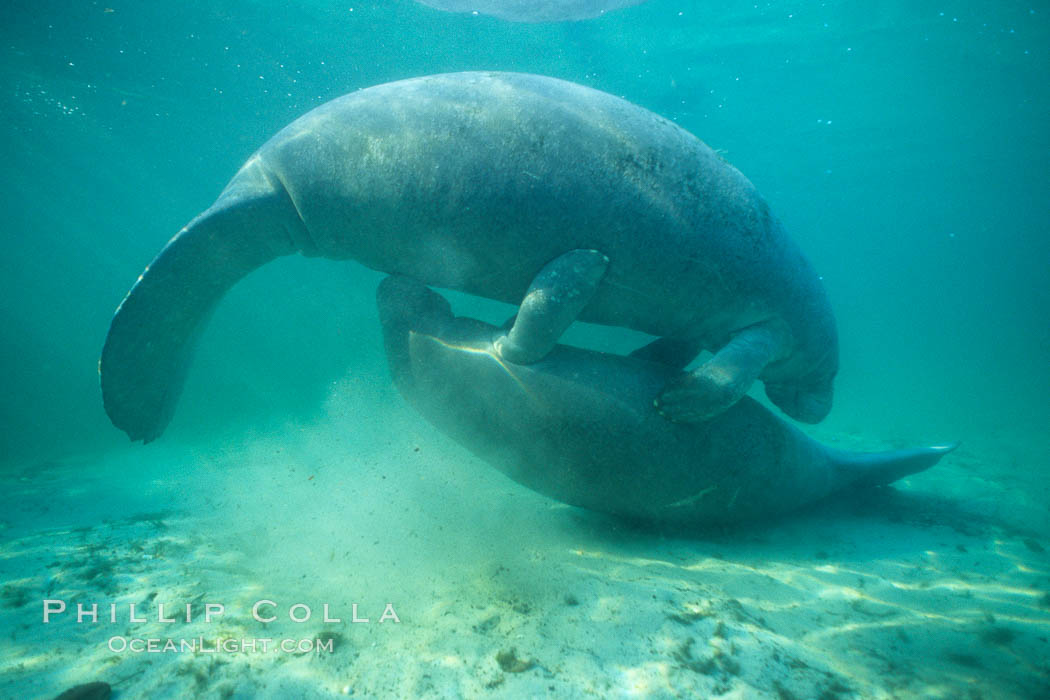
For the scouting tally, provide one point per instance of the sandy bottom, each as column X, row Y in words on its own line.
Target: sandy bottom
column 939, row 588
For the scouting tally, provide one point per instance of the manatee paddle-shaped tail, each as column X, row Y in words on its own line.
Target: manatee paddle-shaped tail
column 578, row 425
column 152, row 335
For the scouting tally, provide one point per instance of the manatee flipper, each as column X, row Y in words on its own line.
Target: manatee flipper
column 720, row 381
column 151, row 337
column 672, row 352
column 555, row 298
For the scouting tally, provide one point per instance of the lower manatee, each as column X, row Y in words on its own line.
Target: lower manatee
column 577, row 426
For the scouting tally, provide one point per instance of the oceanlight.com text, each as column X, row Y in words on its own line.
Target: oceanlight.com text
column 203, row 645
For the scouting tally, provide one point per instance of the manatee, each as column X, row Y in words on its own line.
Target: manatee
column 533, row 10
column 513, row 187
column 577, row 426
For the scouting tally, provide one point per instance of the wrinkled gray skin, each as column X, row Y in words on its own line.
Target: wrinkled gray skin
column 534, row 10
column 577, row 426
column 476, row 182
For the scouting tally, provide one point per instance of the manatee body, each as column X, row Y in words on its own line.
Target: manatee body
column 484, row 183
column 578, row 426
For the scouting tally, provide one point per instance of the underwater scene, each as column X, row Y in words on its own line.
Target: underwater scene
column 525, row 348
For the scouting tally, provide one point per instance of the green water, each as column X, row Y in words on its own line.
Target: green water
column 905, row 146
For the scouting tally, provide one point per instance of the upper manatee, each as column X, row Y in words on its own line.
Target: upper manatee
column 516, row 187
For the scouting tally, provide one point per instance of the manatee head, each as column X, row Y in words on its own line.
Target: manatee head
column 808, row 398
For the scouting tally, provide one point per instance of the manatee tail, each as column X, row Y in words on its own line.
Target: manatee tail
column 153, row 333
column 882, row 468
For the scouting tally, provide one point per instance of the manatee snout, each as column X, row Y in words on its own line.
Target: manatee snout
column 806, row 403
